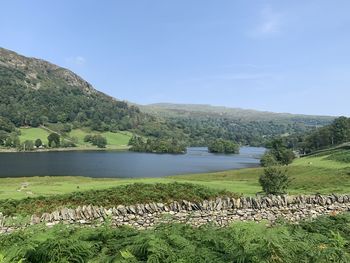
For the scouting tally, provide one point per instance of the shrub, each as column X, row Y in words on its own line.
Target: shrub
column 97, row 140
column 54, row 140
column 38, row 143
column 274, row 180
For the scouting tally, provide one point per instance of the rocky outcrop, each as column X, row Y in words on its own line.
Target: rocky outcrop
column 220, row 211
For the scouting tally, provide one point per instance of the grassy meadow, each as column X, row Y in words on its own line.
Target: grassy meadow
column 33, row 134
column 115, row 140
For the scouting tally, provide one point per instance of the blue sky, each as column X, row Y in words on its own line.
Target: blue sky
column 282, row 56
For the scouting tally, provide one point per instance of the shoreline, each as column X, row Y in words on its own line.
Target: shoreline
column 69, row 149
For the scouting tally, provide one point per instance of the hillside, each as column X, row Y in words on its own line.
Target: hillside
column 34, row 91
column 204, row 123
column 172, row 110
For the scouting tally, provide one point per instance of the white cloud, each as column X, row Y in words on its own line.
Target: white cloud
column 270, row 23
column 78, row 60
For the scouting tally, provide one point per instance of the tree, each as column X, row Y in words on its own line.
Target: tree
column 3, row 136
column 274, row 180
column 286, row 156
column 38, row 143
column 88, row 138
column 54, row 137
column 278, row 154
column 268, row 159
column 27, row 145
column 99, row 141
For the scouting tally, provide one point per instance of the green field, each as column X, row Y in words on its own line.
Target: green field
column 309, row 175
column 33, row 134
column 115, row 140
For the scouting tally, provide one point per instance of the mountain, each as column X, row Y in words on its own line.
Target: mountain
column 34, row 91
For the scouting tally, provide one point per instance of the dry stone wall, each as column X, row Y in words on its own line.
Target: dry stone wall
column 220, row 211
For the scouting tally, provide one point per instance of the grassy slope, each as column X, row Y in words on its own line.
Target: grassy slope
column 115, row 141
column 310, row 175
column 33, row 134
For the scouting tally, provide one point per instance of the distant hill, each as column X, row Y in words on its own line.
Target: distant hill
column 191, row 110
column 203, row 123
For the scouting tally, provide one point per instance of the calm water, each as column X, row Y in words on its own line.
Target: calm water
column 124, row 164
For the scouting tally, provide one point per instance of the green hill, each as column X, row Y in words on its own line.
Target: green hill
column 34, row 92
column 204, row 123
column 173, row 110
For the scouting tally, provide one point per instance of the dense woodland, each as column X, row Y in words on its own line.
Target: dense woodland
column 201, row 130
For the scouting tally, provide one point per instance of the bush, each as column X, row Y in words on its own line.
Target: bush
column 97, row 140
column 274, row 180
column 67, row 144
column 54, row 140
column 38, row 143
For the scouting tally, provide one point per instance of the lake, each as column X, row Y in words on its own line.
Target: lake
column 124, row 164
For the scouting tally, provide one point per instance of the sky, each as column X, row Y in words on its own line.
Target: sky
column 281, row 56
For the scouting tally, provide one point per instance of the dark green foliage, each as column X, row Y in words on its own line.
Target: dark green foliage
column 97, row 140
column 223, row 146
column 138, row 144
column 274, row 180
column 323, row 240
column 9, row 139
column 54, row 140
column 278, row 154
column 6, row 125
column 38, row 143
column 67, row 144
column 127, row 194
